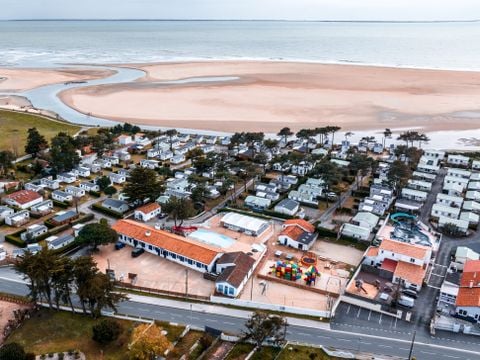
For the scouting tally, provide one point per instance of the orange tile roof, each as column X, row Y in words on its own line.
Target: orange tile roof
column 168, row 241
column 412, row 273
column 302, row 223
column 372, row 251
column 414, row 251
column 471, row 274
column 148, row 208
column 293, row 232
column 23, row 196
column 389, row 265
column 469, row 297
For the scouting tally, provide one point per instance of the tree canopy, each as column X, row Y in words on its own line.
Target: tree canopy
column 106, row 331
column 179, row 209
column 63, row 153
column 36, row 142
column 147, row 341
column 262, row 326
column 96, row 234
column 143, row 184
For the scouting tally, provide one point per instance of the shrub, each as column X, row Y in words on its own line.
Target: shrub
column 12, row 351
column 110, row 190
column 100, row 208
column 106, row 331
column 43, row 356
column 50, row 355
column 15, row 240
column 30, row 356
column 61, row 356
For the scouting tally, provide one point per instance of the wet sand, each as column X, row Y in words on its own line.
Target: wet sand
column 269, row 95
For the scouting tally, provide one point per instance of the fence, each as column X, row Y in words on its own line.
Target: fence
column 274, row 307
column 129, row 286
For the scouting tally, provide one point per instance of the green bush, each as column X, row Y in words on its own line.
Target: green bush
column 60, row 204
column 15, row 240
column 95, row 194
column 110, row 190
column 323, row 232
column 106, row 331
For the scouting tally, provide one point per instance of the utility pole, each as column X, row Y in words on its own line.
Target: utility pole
column 411, row 345
column 251, row 289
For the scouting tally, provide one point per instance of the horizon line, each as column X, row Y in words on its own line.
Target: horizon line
column 247, row 20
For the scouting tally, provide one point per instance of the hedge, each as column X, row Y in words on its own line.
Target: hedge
column 279, row 215
column 106, row 211
column 324, row 232
column 60, row 204
column 14, row 239
column 96, row 194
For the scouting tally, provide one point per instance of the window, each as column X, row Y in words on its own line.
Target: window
column 230, row 291
column 220, row 288
column 190, row 261
column 150, row 247
column 412, row 260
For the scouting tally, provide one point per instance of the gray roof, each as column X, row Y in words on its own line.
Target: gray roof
column 65, row 216
column 114, row 203
column 60, row 240
column 288, row 204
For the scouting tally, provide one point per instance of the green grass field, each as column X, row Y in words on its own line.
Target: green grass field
column 54, row 331
column 14, row 126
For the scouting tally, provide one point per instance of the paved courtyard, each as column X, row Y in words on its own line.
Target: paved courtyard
column 152, row 271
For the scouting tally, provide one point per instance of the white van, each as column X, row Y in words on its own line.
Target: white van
column 406, row 301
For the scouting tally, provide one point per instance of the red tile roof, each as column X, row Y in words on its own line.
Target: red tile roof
column 23, row 196
column 414, row 274
column 302, row 223
column 235, row 275
column 389, row 265
column 397, row 247
column 372, row 252
column 168, row 241
column 468, row 297
column 471, row 274
column 293, row 232
column 148, row 208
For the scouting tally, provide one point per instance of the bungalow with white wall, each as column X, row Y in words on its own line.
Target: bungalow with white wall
column 472, row 195
column 419, row 185
column 58, row 242
column 458, row 160
column 424, row 176
column 470, row 205
column 415, row 195
column 50, row 183
column 259, row 203
column 456, row 172
column 287, row 207
column 62, row 196
column 434, row 154
column 476, row 164
column 355, row 231
column 192, row 254
column 453, row 189
column 366, row 220
column 471, row 217
column 82, row 171
column 474, row 185
column 89, row 186
column 22, row 199
column 149, row 164
column 178, row 159
column 33, row 231
column 235, row 269
column 449, row 200
column 441, row 210
column 298, row 234
column 42, row 209
column 117, row 178
column 124, row 140
column 118, row 206
column 147, row 212
column 67, row 178
column 33, row 187
column 427, row 168
column 5, row 211
column 75, row 191
column 18, row 218
column 461, row 225
column 165, row 155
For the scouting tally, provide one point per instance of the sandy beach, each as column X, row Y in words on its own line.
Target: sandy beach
column 14, row 80
column 266, row 96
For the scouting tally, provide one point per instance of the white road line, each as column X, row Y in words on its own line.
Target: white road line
column 369, row 314
column 340, row 339
column 451, row 356
column 427, row 352
column 380, row 319
column 359, row 311
column 348, row 309
column 384, row 346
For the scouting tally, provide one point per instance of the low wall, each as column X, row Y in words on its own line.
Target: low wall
column 297, row 285
column 366, row 305
column 274, row 307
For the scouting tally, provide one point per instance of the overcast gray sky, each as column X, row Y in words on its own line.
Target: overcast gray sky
column 243, row 9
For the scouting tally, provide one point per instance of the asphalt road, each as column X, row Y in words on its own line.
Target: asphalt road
column 345, row 340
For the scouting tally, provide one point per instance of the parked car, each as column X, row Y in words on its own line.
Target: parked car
column 410, row 293
column 119, row 245
column 137, row 252
column 406, row 301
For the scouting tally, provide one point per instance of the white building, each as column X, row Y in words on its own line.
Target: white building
column 75, row 191
column 366, row 220
column 287, row 207
column 355, row 231
column 33, row 231
column 448, row 200
column 458, row 160
column 62, row 196
column 147, row 212
column 441, row 210
column 298, row 234
column 117, row 178
column 22, row 199
column 415, row 195
column 68, row 178
column 234, row 271
column 18, row 218
column 244, row 224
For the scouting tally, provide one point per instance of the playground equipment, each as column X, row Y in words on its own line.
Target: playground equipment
column 184, row 230
column 406, row 229
column 311, row 275
column 288, row 270
column 309, row 259
column 359, row 286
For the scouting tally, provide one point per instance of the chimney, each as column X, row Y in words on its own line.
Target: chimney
column 147, row 233
column 471, row 284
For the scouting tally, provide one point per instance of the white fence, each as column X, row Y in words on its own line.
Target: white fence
column 274, row 307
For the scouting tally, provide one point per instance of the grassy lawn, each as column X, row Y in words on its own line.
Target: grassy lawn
column 303, row 353
column 14, row 127
column 241, row 350
column 51, row 331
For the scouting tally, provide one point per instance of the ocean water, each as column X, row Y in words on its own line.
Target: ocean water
column 425, row 45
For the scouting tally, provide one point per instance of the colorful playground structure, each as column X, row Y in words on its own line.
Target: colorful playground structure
column 292, row 271
column 184, row 230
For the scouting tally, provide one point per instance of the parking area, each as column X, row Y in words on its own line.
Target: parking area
column 152, row 271
column 350, row 316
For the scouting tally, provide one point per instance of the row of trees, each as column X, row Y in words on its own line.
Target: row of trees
column 54, row 279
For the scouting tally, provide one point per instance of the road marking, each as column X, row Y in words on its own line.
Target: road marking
column 369, row 314
column 380, row 319
column 451, row 356
column 348, row 309
column 229, row 323
column 359, row 311
column 340, row 339
column 427, row 352
column 384, row 346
